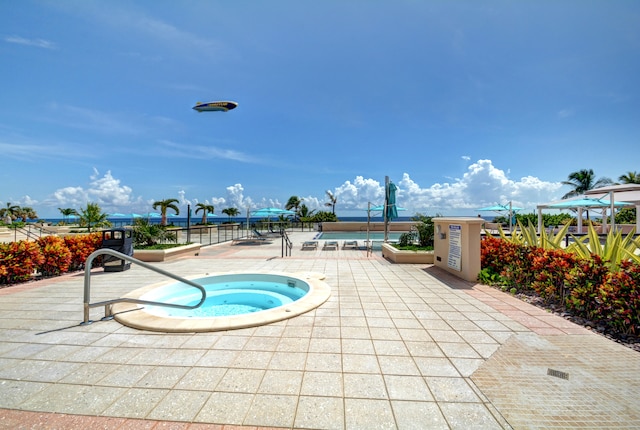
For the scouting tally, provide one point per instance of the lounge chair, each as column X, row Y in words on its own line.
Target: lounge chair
column 310, row 244
column 264, row 235
column 350, row 244
column 330, row 244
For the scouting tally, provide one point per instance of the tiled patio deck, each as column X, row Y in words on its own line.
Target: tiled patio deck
column 396, row 346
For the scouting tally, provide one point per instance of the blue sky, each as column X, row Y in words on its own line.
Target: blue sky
column 462, row 104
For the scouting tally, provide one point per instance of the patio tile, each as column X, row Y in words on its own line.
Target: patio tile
column 418, row 415
column 468, row 415
column 320, row 413
column 436, row 366
column 368, row 414
column 136, row 403
column 180, row 405
column 360, row 363
column 201, row 378
column 323, row 362
column 407, row 388
column 241, row 380
column 322, row 384
column 282, row 382
column 451, row 390
column 228, row 408
column 364, row 386
column 272, row 410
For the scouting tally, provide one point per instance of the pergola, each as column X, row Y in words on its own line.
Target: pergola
column 620, row 193
column 629, row 193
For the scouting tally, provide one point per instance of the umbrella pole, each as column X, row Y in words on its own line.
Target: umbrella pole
column 386, row 205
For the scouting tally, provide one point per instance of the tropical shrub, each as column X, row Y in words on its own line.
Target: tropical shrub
column 425, row 229
column 81, row 246
column 56, row 256
column 146, row 234
column 323, row 216
column 590, row 288
column 18, row 261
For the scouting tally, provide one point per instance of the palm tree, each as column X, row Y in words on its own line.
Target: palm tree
column 67, row 212
column 10, row 211
column 92, row 215
column 294, row 203
column 164, row 205
column 332, row 201
column 630, row 178
column 305, row 212
column 230, row 212
column 26, row 213
column 583, row 180
column 206, row 210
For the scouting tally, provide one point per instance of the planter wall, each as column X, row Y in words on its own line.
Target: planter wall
column 406, row 257
column 157, row 255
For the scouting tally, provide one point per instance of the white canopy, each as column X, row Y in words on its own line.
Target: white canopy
column 613, row 193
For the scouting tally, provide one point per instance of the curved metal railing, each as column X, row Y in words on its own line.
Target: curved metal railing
column 108, row 313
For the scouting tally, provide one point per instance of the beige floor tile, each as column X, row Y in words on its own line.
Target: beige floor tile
column 419, row 415
column 320, row 413
column 368, row 414
column 364, row 386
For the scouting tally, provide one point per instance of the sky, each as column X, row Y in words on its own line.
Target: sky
column 461, row 104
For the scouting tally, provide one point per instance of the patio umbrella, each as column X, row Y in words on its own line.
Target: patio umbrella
column 271, row 212
column 390, row 211
column 586, row 203
column 503, row 208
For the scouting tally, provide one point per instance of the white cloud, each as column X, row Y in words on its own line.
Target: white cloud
column 105, row 191
column 466, row 158
column 482, row 184
column 38, row 43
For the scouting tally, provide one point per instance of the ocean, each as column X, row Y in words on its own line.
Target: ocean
column 182, row 221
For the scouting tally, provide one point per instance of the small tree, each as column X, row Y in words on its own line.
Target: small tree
column 425, row 229
column 231, row 212
column 206, row 210
column 92, row 216
column 147, row 234
column 164, row 205
column 332, row 201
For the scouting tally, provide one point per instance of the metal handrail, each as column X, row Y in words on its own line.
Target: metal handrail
column 108, row 314
column 287, row 245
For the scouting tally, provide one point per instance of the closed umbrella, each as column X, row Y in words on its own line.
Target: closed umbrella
column 390, row 211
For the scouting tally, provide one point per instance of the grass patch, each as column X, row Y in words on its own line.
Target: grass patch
column 412, row 247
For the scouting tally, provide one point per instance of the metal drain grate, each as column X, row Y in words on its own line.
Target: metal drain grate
column 557, row 374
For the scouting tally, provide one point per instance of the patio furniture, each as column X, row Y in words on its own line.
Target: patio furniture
column 330, row 245
column 310, row 244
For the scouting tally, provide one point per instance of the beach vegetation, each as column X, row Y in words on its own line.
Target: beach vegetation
column 583, row 180
column 147, row 235
column 165, row 205
column 206, row 210
column 56, row 256
column 92, row 217
column 294, row 203
column 21, row 261
column 333, row 200
column 584, row 286
column 231, row 212
column 9, row 213
column 67, row 213
column 630, row 178
column 324, row 216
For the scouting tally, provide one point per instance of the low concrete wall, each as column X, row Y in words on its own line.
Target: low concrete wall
column 406, row 257
column 362, row 226
column 156, row 255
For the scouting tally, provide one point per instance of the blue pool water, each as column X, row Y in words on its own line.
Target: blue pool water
column 227, row 295
column 357, row 235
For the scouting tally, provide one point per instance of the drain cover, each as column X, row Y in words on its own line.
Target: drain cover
column 557, row 374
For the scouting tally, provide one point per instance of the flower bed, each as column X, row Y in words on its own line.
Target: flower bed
column 585, row 288
column 406, row 256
